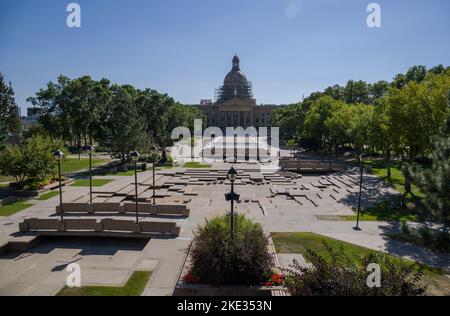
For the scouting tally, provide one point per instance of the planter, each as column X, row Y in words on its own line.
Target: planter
column 35, row 193
column 183, row 289
column 207, row 290
column 8, row 200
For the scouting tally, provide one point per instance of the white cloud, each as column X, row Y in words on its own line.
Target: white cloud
column 293, row 7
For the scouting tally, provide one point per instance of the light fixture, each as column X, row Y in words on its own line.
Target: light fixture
column 232, row 174
column 59, row 154
column 135, row 155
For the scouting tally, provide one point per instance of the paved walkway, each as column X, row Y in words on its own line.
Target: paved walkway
column 276, row 212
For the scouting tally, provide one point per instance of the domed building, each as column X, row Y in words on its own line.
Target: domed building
column 234, row 104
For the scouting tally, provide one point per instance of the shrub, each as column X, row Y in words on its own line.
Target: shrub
column 434, row 239
column 218, row 259
column 342, row 275
column 32, row 160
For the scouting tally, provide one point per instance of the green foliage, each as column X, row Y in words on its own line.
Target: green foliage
column 9, row 118
column 32, row 159
column 318, row 113
column 134, row 287
column 122, row 118
column 342, row 275
column 127, row 129
column 289, row 119
column 436, row 240
column 218, row 259
column 435, row 182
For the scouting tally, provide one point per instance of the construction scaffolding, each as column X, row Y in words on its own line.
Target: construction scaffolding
column 230, row 91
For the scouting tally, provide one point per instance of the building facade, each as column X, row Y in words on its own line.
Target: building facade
column 234, row 105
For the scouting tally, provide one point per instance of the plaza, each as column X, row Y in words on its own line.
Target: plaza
column 282, row 201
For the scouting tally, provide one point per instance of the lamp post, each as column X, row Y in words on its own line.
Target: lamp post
column 298, row 153
column 231, row 196
column 153, row 150
column 361, row 161
column 90, row 150
column 59, row 155
column 135, row 156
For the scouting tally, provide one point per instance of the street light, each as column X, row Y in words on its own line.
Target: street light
column 231, row 196
column 90, row 150
column 361, row 160
column 153, row 151
column 298, row 153
column 59, row 155
column 135, row 156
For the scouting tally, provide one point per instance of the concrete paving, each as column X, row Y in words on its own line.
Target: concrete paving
column 280, row 202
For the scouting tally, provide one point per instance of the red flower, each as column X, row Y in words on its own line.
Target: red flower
column 188, row 278
column 276, row 279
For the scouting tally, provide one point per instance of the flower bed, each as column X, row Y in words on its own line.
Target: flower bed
column 187, row 285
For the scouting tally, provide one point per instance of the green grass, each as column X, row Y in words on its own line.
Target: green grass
column 397, row 180
column 194, row 164
column 6, row 178
column 70, row 165
column 4, row 185
column 13, row 208
column 134, row 287
column 383, row 211
column 95, row 182
column 120, row 173
column 299, row 242
column 48, row 195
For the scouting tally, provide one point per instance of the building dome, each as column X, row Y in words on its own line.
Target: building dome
column 235, row 76
column 235, row 84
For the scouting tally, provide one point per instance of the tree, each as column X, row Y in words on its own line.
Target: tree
column 9, row 113
column 350, row 123
column 318, row 113
column 414, row 113
column 290, row 120
column 32, row 160
column 356, row 92
column 126, row 125
column 435, row 182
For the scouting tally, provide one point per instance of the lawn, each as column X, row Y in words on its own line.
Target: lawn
column 194, row 164
column 6, row 178
column 10, row 209
column 121, row 173
column 134, row 287
column 48, row 195
column 299, row 242
column 95, row 182
column 397, row 180
column 383, row 211
column 70, row 165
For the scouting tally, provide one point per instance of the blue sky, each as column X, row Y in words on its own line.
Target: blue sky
column 288, row 48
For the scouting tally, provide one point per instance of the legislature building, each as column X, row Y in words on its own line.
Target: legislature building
column 234, row 103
